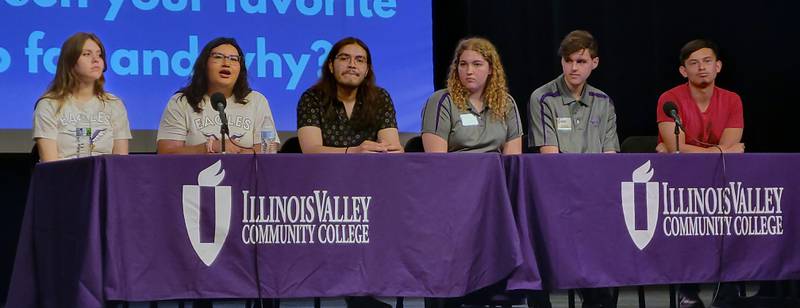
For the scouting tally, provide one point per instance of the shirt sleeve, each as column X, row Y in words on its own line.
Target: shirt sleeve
column 173, row 124
column 736, row 114
column 610, row 139
column 436, row 115
column 513, row 121
column 309, row 110
column 542, row 125
column 660, row 115
column 45, row 122
column 119, row 121
column 387, row 116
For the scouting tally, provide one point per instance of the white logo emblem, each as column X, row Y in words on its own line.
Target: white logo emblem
column 641, row 175
column 209, row 177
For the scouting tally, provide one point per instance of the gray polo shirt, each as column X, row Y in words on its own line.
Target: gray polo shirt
column 585, row 126
column 468, row 130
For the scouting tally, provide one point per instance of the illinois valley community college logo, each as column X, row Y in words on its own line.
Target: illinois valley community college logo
column 640, row 178
column 193, row 203
column 730, row 209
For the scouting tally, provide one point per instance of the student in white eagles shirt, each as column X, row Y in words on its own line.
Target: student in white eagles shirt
column 76, row 97
column 190, row 125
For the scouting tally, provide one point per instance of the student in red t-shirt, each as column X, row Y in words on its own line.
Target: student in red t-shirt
column 712, row 122
column 712, row 117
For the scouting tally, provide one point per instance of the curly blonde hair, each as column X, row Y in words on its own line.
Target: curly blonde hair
column 495, row 92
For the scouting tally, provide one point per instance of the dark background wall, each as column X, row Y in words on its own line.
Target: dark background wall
column 639, row 44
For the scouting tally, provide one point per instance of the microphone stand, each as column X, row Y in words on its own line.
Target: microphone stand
column 677, row 141
column 223, row 130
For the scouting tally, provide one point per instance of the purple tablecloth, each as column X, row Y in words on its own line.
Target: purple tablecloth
column 597, row 220
column 149, row 228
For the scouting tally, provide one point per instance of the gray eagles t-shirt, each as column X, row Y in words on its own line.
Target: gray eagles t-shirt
column 180, row 122
column 108, row 120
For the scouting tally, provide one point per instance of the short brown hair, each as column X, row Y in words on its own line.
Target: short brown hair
column 696, row 45
column 576, row 41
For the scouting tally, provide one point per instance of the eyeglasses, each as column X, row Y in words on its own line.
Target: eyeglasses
column 345, row 58
column 220, row 57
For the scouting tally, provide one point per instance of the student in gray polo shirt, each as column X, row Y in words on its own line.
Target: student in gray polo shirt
column 568, row 115
column 475, row 113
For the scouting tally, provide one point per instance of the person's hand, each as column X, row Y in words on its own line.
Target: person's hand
column 369, row 147
column 230, row 147
column 661, row 148
column 734, row 148
column 273, row 147
column 393, row 148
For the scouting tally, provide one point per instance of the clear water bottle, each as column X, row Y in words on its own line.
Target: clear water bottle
column 269, row 137
column 83, row 140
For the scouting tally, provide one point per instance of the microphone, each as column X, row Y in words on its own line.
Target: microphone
column 219, row 103
column 672, row 111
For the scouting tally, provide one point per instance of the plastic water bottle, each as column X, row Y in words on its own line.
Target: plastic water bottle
column 83, row 140
column 268, row 137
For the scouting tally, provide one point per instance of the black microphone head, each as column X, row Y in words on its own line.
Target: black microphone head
column 669, row 108
column 217, row 100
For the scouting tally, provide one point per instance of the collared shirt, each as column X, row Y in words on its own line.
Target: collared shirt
column 340, row 131
column 588, row 125
column 469, row 130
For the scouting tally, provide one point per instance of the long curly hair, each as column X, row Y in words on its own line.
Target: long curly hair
column 198, row 84
column 495, row 92
column 66, row 81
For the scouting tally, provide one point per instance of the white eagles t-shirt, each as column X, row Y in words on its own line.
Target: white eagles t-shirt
column 180, row 122
column 107, row 118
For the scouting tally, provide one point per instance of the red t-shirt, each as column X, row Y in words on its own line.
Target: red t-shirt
column 724, row 111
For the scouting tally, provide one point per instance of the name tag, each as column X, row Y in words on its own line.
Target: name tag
column 564, row 123
column 469, row 119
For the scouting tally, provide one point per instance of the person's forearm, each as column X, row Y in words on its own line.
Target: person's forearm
column 187, row 149
column 319, row 149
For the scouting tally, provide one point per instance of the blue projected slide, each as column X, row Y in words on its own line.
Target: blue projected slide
column 151, row 46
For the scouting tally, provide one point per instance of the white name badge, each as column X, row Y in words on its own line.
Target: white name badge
column 564, row 123
column 469, row 119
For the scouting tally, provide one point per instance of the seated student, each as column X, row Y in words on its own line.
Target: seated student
column 76, row 98
column 712, row 117
column 567, row 115
column 345, row 111
column 712, row 122
column 475, row 113
column 191, row 125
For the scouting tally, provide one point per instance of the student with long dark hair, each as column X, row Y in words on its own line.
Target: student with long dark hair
column 345, row 111
column 191, row 125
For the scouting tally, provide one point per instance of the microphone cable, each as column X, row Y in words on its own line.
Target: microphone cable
column 260, row 298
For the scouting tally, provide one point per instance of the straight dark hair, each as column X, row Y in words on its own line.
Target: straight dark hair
column 198, row 84
column 696, row 45
column 576, row 41
column 368, row 93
